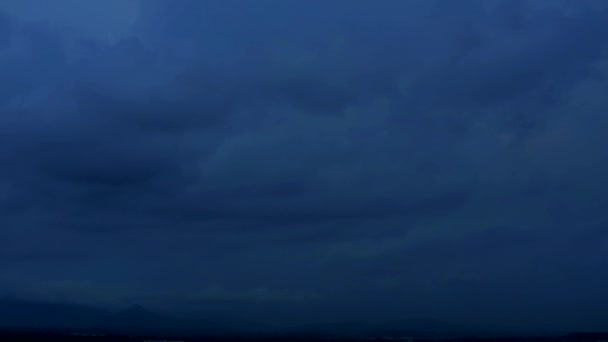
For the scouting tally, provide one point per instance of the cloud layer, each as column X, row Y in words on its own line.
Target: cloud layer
column 332, row 157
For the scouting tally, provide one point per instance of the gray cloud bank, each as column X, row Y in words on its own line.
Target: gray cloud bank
column 290, row 158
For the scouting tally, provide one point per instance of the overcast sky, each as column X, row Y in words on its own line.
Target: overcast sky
column 309, row 160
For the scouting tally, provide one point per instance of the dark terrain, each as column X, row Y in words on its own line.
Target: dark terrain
column 50, row 336
column 40, row 321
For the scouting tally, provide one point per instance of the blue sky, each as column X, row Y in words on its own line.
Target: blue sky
column 308, row 160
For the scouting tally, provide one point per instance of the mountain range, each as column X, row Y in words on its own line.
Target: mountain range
column 21, row 314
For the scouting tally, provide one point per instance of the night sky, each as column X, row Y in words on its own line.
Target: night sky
column 307, row 161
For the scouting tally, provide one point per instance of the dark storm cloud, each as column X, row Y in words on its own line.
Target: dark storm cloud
column 307, row 151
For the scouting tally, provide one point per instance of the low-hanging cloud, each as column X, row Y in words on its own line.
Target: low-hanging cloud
column 238, row 131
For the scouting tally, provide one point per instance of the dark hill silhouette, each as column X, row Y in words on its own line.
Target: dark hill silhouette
column 24, row 314
column 411, row 327
column 423, row 327
column 139, row 320
column 16, row 313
